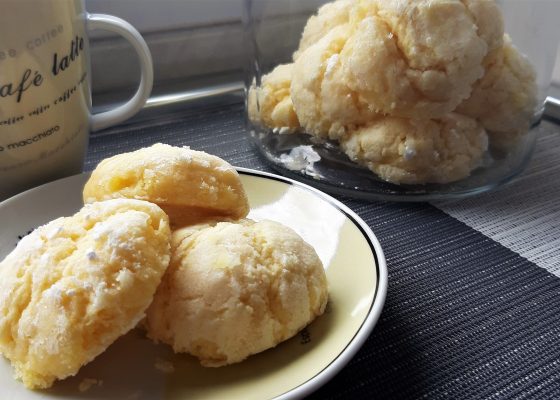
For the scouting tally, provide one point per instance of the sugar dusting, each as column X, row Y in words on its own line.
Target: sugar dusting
column 331, row 63
column 87, row 383
column 302, row 157
column 409, row 152
column 164, row 366
column 91, row 255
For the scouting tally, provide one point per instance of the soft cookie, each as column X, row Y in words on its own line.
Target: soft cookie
column 270, row 103
column 324, row 103
column 414, row 59
column 408, row 151
column 505, row 98
column 72, row 287
column 329, row 16
column 235, row 289
column 188, row 185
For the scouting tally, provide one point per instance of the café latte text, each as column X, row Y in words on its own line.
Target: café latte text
column 76, row 47
column 33, row 78
column 28, row 79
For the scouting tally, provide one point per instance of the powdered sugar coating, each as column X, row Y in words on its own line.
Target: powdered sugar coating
column 506, row 97
column 188, row 185
column 60, row 306
column 270, row 104
column 408, row 151
column 235, row 289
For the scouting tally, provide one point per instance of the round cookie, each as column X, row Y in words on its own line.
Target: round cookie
column 271, row 104
column 73, row 286
column 489, row 22
column 408, row 151
column 236, row 289
column 329, row 16
column 188, row 185
column 504, row 100
column 371, row 59
column 413, row 59
column 416, row 59
column 324, row 104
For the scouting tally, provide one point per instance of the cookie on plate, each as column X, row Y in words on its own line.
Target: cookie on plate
column 188, row 185
column 73, row 286
column 236, row 289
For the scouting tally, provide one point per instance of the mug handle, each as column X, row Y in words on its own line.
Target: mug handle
column 123, row 112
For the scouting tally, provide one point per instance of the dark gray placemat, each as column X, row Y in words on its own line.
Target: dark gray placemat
column 465, row 317
column 524, row 216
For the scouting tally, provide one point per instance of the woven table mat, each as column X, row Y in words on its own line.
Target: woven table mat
column 524, row 216
column 465, row 317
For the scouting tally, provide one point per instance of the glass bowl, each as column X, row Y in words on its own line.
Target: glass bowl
column 398, row 100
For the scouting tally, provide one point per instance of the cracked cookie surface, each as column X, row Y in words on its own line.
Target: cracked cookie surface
column 409, row 151
column 188, row 185
column 236, row 289
column 271, row 104
column 73, row 286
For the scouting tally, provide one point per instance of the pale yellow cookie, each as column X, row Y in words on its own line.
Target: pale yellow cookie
column 489, row 22
column 328, row 16
column 271, row 104
column 324, row 104
column 73, row 286
column 408, row 151
column 505, row 99
column 236, row 289
column 420, row 58
column 414, row 59
column 188, row 185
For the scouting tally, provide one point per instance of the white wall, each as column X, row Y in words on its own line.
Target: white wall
column 191, row 37
column 192, row 41
column 157, row 15
column 556, row 75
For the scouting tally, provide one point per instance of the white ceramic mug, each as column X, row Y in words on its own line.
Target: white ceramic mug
column 45, row 98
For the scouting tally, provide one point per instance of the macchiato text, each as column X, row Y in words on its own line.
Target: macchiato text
column 32, row 139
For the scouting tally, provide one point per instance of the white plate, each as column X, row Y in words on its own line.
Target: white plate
column 356, row 273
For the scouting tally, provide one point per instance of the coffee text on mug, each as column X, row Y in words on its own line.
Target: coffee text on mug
column 44, row 38
column 7, row 53
column 34, row 43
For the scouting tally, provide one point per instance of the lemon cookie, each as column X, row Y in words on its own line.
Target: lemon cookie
column 328, row 16
column 271, row 104
column 73, row 286
column 188, row 185
column 324, row 103
column 505, row 98
column 408, row 151
column 417, row 59
column 236, row 289
column 414, row 59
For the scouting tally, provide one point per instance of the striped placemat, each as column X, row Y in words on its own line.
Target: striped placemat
column 524, row 216
column 466, row 317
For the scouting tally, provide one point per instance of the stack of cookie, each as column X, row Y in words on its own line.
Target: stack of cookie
column 162, row 238
column 413, row 89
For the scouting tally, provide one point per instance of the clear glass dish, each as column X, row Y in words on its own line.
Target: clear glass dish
column 328, row 101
